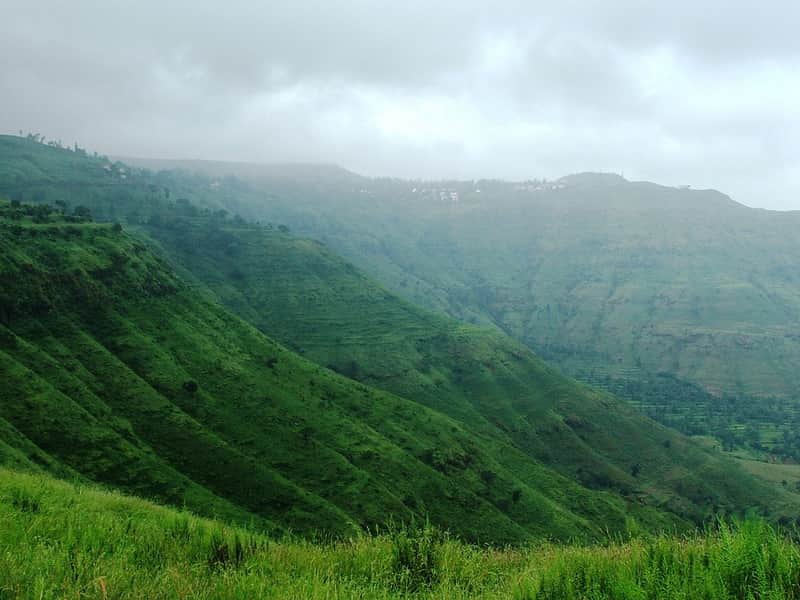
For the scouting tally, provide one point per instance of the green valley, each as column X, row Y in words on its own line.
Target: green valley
column 154, row 343
column 681, row 301
column 542, row 453
column 322, row 307
column 353, row 300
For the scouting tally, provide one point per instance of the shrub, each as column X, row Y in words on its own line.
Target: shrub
column 24, row 500
column 415, row 555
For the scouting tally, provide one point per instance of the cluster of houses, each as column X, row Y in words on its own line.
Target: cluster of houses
column 442, row 194
column 539, row 186
column 453, row 196
column 116, row 170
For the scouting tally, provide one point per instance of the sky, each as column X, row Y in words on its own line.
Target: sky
column 681, row 93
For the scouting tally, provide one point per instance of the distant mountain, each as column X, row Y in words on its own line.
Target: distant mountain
column 294, row 171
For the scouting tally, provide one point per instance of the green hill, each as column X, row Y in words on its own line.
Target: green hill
column 116, row 370
column 62, row 541
column 200, row 408
column 680, row 300
column 319, row 305
column 617, row 278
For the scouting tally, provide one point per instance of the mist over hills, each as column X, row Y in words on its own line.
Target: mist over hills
column 122, row 330
column 685, row 298
column 421, row 301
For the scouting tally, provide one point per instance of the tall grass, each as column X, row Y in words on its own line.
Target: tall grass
column 746, row 560
column 63, row 541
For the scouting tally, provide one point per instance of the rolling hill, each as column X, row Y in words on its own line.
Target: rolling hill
column 117, row 371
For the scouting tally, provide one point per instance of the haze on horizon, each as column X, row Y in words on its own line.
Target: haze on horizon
column 676, row 93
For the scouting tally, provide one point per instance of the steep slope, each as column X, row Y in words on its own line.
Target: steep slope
column 115, row 369
column 684, row 301
column 524, row 413
column 612, row 275
column 322, row 307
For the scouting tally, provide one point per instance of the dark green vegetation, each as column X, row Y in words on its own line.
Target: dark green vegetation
column 320, row 306
column 682, row 301
column 482, row 437
column 115, row 369
column 62, row 541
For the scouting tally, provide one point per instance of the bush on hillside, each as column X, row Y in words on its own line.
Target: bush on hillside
column 415, row 555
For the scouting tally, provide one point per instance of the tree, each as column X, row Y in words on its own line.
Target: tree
column 82, row 211
column 41, row 213
column 488, row 477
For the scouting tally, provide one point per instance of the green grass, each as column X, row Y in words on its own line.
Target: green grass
column 58, row 540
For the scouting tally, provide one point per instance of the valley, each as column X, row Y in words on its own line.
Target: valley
column 155, row 341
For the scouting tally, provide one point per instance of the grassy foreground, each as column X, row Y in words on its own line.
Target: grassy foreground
column 58, row 540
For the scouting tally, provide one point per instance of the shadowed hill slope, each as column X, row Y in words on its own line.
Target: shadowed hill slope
column 116, row 370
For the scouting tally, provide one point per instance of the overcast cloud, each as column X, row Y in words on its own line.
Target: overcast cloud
column 682, row 92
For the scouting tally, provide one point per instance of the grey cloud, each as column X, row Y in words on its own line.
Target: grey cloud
column 676, row 92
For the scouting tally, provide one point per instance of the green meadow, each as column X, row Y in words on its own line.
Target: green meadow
column 60, row 540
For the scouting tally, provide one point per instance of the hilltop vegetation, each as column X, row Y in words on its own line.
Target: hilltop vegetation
column 58, row 540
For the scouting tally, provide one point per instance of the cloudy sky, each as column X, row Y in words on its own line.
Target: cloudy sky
column 682, row 92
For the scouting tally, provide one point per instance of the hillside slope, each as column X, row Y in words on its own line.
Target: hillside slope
column 322, row 307
column 601, row 274
column 681, row 300
column 114, row 369
column 117, row 370
column 552, row 456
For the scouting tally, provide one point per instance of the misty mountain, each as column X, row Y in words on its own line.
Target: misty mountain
column 615, row 282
